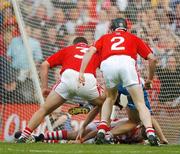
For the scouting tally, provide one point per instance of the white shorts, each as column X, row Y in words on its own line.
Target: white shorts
column 69, row 87
column 119, row 69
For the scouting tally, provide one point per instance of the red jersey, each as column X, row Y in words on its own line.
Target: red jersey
column 71, row 57
column 121, row 43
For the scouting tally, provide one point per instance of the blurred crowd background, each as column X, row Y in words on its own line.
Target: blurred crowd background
column 53, row 24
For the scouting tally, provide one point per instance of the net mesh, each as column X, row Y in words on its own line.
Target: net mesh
column 52, row 25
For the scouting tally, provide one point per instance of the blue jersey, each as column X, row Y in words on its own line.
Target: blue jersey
column 131, row 104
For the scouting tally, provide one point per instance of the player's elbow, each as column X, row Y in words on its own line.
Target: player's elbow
column 44, row 65
column 152, row 59
column 92, row 50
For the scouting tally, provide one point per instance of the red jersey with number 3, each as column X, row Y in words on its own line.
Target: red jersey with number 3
column 71, row 57
column 121, row 43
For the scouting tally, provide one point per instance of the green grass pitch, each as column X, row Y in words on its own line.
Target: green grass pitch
column 40, row 148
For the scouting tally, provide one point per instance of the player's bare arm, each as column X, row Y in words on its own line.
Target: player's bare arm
column 85, row 61
column 152, row 67
column 89, row 135
column 90, row 117
column 44, row 78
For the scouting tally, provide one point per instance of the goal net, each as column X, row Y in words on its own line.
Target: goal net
column 51, row 25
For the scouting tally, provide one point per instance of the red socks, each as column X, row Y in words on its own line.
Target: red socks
column 150, row 131
column 26, row 133
column 103, row 127
column 56, row 135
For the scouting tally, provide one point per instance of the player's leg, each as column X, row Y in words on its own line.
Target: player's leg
column 155, row 123
column 134, row 117
column 136, row 93
column 131, row 81
column 106, row 111
column 52, row 137
column 111, row 76
column 138, row 99
column 60, row 135
column 65, row 135
column 53, row 101
column 111, row 95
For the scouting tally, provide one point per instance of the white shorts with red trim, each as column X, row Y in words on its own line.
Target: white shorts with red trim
column 69, row 87
column 119, row 69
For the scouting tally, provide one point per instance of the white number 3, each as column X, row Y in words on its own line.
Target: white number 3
column 83, row 50
column 117, row 42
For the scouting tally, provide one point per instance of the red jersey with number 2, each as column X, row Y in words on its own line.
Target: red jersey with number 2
column 121, row 43
column 71, row 57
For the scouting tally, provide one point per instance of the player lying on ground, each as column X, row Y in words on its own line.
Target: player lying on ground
column 118, row 51
column 91, row 132
column 134, row 116
column 68, row 86
column 135, row 135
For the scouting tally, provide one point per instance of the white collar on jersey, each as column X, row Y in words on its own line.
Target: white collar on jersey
column 120, row 29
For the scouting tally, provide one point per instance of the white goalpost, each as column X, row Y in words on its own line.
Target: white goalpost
column 35, row 76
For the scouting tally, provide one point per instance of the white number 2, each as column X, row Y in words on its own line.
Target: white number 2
column 83, row 50
column 117, row 42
